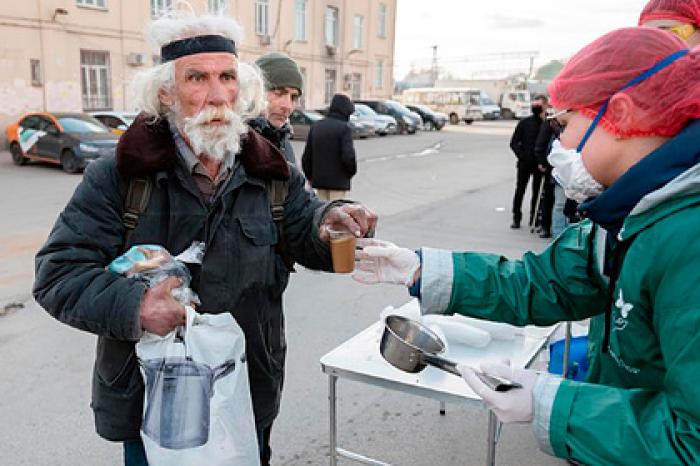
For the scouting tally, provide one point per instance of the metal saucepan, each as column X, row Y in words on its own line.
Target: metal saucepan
column 410, row 346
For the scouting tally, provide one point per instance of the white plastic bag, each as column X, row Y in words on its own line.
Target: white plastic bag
column 197, row 406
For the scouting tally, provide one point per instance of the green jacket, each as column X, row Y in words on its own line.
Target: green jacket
column 640, row 403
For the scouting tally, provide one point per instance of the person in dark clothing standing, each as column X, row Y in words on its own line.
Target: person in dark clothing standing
column 283, row 83
column 523, row 145
column 329, row 161
column 542, row 147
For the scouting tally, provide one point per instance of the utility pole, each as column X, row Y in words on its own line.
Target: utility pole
column 434, row 67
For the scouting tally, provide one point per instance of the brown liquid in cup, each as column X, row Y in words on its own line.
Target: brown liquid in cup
column 343, row 253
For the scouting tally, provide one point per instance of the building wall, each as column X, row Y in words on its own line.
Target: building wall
column 33, row 30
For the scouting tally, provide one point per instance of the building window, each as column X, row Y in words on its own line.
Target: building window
column 300, row 19
column 158, row 7
column 218, row 6
column 35, row 70
column 92, row 3
column 379, row 74
column 95, row 80
column 382, row 20
column 356, row 85
column 262, row 17
column 358, row 31
column 331, row 26
column 330, row 86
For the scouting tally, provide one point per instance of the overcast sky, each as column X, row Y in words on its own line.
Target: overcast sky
column 466, row 30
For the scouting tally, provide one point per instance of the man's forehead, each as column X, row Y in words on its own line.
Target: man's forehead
column 286, row 90
column 207, row 61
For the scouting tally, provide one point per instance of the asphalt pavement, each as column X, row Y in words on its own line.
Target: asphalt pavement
column 449, row 189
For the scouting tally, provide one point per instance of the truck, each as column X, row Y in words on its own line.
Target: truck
column 511, row 95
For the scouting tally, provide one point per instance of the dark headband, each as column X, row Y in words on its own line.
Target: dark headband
column 196, row 44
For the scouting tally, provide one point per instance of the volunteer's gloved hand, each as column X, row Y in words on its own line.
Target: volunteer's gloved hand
column 515, row 405
column 380, row 261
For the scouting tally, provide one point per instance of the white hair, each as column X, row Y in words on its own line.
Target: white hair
column 180, row 24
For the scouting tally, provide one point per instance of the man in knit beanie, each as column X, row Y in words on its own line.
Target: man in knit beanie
column 284, row 83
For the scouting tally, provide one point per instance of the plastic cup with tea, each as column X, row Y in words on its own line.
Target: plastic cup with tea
column 342, row 249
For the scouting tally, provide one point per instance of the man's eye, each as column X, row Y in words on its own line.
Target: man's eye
column 228, row 77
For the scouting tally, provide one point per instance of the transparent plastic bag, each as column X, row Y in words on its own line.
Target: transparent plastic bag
column 152, row 264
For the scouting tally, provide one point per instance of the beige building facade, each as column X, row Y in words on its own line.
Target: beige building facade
column 79, row 55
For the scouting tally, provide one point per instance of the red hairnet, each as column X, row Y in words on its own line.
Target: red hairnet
column 685, row 11
column 665, row 101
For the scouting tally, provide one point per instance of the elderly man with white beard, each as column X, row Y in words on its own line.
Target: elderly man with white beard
column 203, row 176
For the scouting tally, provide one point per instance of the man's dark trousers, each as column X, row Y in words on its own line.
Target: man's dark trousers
column 525, row 171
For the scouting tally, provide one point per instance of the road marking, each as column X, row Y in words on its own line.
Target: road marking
column 428, row 151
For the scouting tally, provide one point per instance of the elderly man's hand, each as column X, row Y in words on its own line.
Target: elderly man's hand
column 355, row 217
column 160, row 312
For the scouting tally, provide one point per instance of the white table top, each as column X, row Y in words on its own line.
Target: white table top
column 359, row 359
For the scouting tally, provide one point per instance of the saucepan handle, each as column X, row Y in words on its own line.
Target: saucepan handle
column 496, row 383
column 441, row 363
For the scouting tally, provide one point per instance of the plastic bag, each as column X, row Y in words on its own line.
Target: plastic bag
column 152, row 264
column 197, row 405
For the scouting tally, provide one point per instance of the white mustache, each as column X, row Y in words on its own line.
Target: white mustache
column 209, row 114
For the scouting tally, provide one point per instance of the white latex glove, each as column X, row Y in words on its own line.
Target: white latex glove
column 380, row 261
column 515, row 405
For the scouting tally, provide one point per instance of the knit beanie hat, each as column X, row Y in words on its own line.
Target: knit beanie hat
column 280, row 71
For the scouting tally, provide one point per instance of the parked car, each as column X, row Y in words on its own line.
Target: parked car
column 407, row 123
column 72, row 140
column 383, row 124
column 118, row 122
column 489, row 109
column 431, row 119
column 301, row 121
column 360, row 129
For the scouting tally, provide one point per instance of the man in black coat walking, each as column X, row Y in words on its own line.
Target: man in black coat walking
column 523, row 145
column 329, row 161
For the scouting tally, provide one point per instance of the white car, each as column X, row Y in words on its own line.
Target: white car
column 117, row 122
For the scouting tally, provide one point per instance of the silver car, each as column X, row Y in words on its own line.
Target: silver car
column 383, row 124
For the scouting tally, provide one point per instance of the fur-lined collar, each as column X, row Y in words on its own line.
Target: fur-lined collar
column 146, row 148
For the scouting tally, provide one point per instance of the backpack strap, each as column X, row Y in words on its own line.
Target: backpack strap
column 278, row 194
column 138, row 196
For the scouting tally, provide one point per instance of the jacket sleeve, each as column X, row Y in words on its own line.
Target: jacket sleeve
column 289, row 152
column 516, row 141
column 307, row 157
column 71, row 282
column 561, row 283
column 542, row 144
column 303, row 213
column 348, row 152
column 600, row 424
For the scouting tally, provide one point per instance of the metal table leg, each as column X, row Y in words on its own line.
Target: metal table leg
column 491, row 447
column 332, row 379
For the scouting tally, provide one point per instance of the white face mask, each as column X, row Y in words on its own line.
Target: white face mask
column 571, row 174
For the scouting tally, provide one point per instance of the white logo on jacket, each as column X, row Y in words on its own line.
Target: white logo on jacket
column 625, row 309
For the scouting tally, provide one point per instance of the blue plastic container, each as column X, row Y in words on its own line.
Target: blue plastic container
column 578, row 358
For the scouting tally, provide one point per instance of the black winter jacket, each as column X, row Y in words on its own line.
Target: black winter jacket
column 329, row 155
column 241, row 272
column 279, row 137
column 524, row 139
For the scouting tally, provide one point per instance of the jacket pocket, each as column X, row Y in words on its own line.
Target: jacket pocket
column 117, row 390
column 259, row 230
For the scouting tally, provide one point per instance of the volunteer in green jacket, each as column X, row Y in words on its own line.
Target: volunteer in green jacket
column 630, row 152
